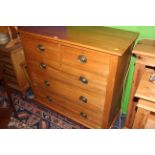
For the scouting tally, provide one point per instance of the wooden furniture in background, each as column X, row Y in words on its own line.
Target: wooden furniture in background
column 79, row 71
column 4, row 29
column 10, row 59
column 145, row 53
column 145, row 114
column 5, row 110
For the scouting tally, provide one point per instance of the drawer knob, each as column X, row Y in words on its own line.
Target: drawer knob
column 41, row 48
column 83, row 80
column 46, row 83
column 82, row 114
column 82, row 58
column 43, row 66
column 49, row 99
column 83, row 99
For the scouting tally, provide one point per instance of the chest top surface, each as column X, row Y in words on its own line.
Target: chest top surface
column 103, row 39
column 145, row 48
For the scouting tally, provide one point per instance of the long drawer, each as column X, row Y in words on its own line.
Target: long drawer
column 87, row 60
column 93, row 101
column 42, row 50
column 72, row 76
column 69, row 109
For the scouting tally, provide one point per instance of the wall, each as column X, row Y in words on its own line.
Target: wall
column 144, row 32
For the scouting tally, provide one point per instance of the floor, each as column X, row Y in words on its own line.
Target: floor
column 32, row 115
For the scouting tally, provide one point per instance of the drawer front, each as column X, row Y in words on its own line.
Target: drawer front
column 72, row 76
column 69, row 109
column 42, row 50
column 90, row 100
column 92, row 61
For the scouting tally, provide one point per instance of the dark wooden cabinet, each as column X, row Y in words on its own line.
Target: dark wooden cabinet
column 11, row 60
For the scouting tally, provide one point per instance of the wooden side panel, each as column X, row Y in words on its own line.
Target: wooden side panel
column 139, row 68
column 17, row 59
column 118, row 70
column 109, row 90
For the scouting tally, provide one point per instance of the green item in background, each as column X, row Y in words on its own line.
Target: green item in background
column 128, row 85
column 145, row 32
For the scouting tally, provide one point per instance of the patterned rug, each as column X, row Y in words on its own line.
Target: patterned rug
column 32, row 115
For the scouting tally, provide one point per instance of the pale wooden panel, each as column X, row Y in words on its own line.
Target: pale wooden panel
column 141, row 118
column 145, row 50
column 146, row 89
column 17, row 59
column 147, row 105
column 150, row 124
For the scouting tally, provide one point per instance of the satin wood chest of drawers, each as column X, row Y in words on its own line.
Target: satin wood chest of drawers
column 79, row 71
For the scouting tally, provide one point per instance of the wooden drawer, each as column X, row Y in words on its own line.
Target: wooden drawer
column 69, row 109
column 93, row 101
column 72, row 76
column 42, row 50
column 92, row 61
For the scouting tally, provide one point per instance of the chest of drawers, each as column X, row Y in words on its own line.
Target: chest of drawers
column 78, row 71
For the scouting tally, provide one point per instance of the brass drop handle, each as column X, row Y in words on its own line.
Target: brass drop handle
column 83, row 99
column 82, row 114
column 40, row 47
column 49, row 99
column 46, row 83
column 82, row 58
column 43, row 66
column 83, row 80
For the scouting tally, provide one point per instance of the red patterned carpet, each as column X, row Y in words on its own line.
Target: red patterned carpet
column 32, row 115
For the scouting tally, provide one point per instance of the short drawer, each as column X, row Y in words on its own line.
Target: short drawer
column 87, row 60
column 95, row 83
column 69, row 109
column 42, row 50
column 90, row 100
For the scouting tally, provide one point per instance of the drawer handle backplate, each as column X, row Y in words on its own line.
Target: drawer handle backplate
column 82, row 114
column 46, row 83
column 82, row 58
column 83, row 99
column 83, row 80
column 49, row 99
column 43, row 66
column 41, row 48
